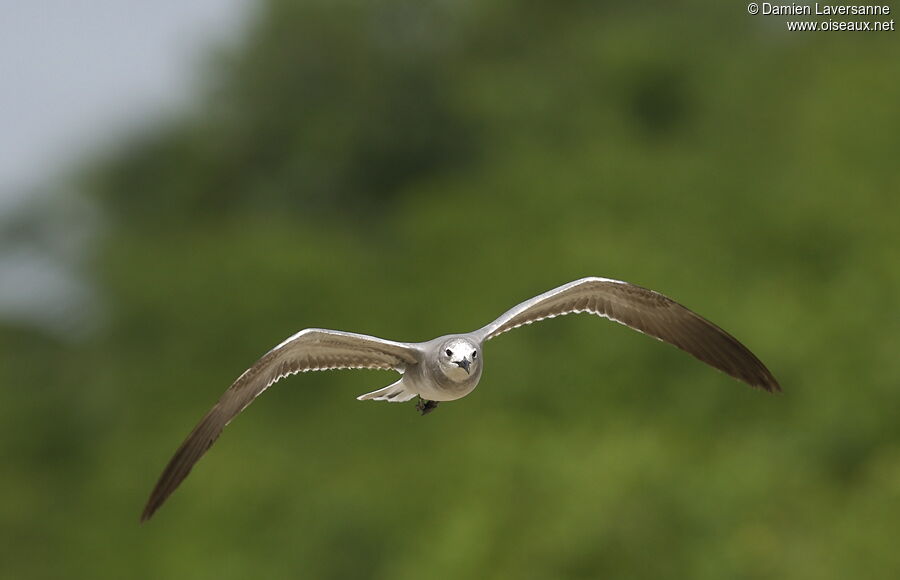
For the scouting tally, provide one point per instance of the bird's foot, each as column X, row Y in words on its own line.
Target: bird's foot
column 424, row 406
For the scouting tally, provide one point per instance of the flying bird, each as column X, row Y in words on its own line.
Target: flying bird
column 449, row 367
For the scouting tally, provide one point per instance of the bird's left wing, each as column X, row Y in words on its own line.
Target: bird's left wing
column 312, row 349
column 646, row 311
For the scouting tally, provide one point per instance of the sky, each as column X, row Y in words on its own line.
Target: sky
column 73, row 73
column 74, row 77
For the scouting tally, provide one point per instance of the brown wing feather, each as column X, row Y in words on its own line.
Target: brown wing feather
column 646, row 311
column 308, row 350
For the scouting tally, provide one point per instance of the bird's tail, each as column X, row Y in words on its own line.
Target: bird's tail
column 395, row 393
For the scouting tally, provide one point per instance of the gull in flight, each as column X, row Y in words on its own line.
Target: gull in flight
column 449, row 367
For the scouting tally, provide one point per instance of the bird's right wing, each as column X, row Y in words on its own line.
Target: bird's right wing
column 646, row 311
column 313, row 349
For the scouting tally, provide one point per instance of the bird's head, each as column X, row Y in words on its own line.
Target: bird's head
column 459, row 359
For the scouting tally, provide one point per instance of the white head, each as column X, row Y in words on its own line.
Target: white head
column 459, row 359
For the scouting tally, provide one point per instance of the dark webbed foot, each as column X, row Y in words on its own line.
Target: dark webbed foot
column 424, row 406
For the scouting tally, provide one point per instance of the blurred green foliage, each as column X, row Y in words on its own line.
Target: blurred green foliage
column 410, row 169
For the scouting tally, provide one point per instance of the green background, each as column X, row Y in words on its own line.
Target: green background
column 410, row 169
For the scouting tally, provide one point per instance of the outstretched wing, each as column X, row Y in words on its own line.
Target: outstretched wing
column 312, row 349
column 648, row 312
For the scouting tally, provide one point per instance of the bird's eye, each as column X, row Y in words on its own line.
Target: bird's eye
column 449, row 352
column 474, row 354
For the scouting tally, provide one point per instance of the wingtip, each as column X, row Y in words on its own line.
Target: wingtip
column 146, row 514
column 769, row 384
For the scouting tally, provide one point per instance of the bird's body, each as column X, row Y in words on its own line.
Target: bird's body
column 449, row 367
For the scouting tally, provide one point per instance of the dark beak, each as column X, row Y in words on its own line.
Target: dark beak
column 464, row 364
